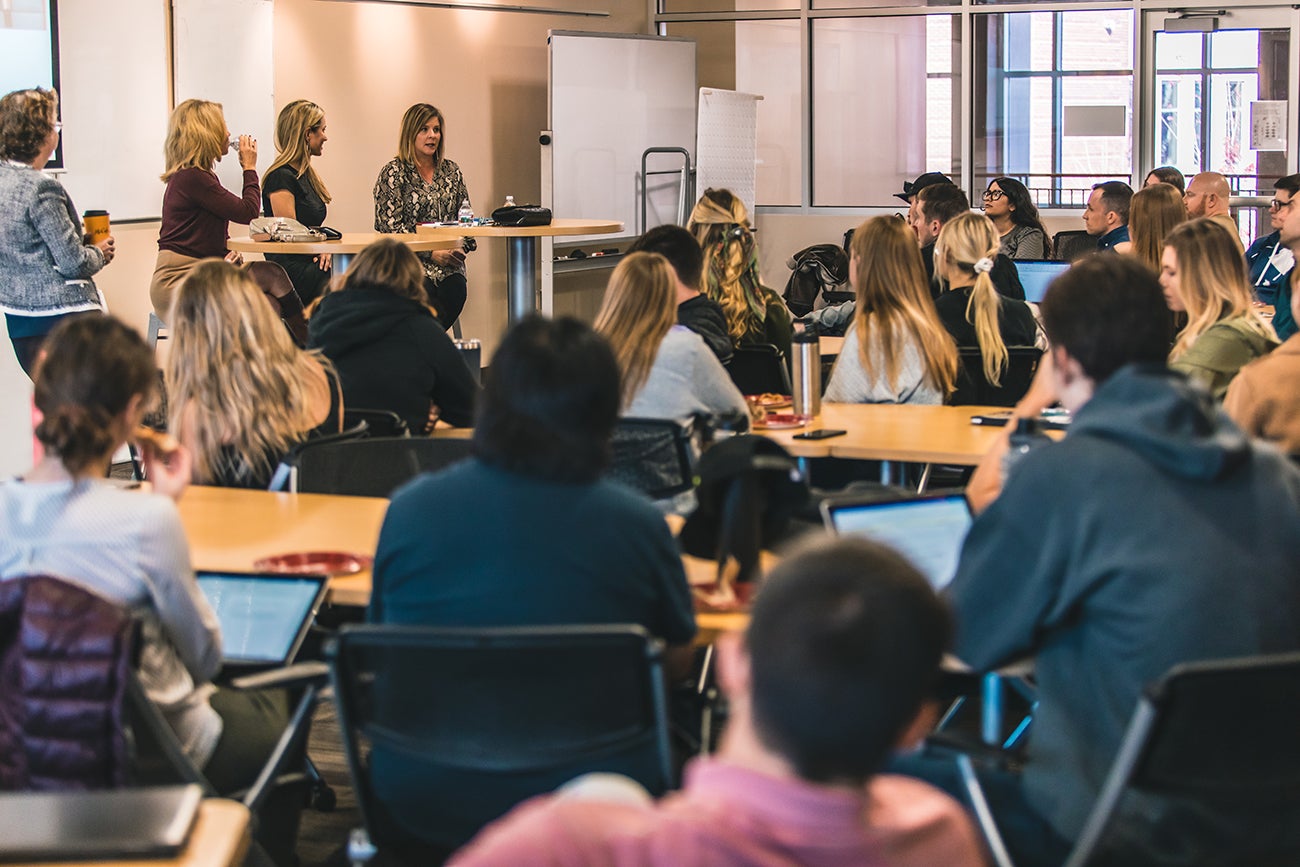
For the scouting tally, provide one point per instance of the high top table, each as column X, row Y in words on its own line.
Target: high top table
column 521, row 251
column 341, row 250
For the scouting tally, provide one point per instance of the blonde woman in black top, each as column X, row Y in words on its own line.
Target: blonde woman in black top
column 291, row 188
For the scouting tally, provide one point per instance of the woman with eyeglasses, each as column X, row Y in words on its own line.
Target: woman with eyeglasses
column 1008, row 204
column 1269, row 260
column 755, row 314
column 46, row 264
column 292, row 189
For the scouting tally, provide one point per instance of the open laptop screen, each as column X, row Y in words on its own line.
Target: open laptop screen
column 1037, row 274
column 264, row 618
column 928, row 531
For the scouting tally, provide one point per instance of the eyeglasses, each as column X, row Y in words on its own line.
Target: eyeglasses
column 1278, row 204
column 992, row 195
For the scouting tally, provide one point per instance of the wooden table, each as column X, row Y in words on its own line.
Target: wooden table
column 341, row 250
column 521, row 251
column 220, row 839
column 830, row 346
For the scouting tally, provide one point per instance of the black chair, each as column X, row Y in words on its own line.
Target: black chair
column 1218, row 738
column 653, row 456
column 447, row 729
column 974, row 390
column 759, row 368
column 1073, row 244
column 371, row 467
column 379, row 422
column 285, row 477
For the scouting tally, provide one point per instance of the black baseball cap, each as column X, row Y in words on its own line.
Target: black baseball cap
column 928, row 179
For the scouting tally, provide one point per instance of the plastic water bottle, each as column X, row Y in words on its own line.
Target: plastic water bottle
column 1026, row 437
column 466, row 215
column 806, row 367
column 510, row 202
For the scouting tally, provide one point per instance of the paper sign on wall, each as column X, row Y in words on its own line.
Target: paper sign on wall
column 1268, row 125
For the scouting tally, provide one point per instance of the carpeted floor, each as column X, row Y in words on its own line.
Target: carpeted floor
column 322, row 837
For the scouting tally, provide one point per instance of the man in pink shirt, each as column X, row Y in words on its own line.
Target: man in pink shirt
column 835, row 672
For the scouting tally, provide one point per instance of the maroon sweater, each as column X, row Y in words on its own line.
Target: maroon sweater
column 196, row 209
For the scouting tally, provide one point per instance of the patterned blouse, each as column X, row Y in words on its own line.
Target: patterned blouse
column 403, row 199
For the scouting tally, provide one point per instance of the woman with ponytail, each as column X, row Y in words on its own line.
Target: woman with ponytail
column 755, row 314
column 970, row 307
column 93, row 386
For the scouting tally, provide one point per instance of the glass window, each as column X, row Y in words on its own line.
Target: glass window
column 670, row 6
column 759, row 57
column 868, row 140
column 876, row 4
column 1054, row 101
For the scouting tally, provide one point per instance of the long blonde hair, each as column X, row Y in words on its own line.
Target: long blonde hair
column 1211, row 281
column 234, row 372
column 894, row 304
column 721, row 225
column 291, row 127
column 1152, row 215
column 196, row 136
column 636, row 314
column 964, row 243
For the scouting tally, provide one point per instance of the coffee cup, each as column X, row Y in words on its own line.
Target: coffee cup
column 97, row 225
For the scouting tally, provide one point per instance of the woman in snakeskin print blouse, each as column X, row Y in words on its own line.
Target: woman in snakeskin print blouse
column 420, row 185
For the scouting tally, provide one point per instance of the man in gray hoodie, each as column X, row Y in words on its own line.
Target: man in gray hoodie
column 1155, row 533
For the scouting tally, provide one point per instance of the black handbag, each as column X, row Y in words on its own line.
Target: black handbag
column 522, row 215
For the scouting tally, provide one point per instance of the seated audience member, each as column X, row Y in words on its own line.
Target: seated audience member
column 695, row 310
column 1202, row 275
column 62, row 519
column 1153, row 213
column 911, row 189
column 1270, row 261
column 1106, row 215
column 1166, row 175
column 389, row 349
column 1207, row 196
column 240, row 392
column 1008, row 204
column 935, row 205
column 1109, row 557
column 527, row 532
column 833, row 673
column 755, row 314
column 896, row 349
column 666, row 369
column 971, row 309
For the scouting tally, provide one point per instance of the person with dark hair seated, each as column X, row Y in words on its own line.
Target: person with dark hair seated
column 835, row 671
column 1106, row 215
column 933, row 208
column 1131, row 546
column 695, row 310
column 1166, row 175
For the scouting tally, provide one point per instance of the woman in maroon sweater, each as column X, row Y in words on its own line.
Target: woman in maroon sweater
column 196, row 209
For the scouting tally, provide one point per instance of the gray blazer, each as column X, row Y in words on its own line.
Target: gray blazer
column 45, row 265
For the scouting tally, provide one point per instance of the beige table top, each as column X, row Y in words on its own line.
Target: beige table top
column 351, row 242
column 830, row 345
column 557, row 227
column 219, row 839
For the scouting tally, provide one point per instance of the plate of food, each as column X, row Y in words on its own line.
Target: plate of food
column 770, row 400
column 315, row 563
column 780, row 421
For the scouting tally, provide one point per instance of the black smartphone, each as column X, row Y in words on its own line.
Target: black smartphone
column 823, row 434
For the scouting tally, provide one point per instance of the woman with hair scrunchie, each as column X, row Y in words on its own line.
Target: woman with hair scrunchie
column 755, row 314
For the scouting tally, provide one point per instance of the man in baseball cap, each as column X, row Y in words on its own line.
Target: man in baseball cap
column 925, row 180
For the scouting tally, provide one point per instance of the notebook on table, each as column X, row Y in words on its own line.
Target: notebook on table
column 928, row 530
column 120, row 825
column 264, row 617
column 1037, row 274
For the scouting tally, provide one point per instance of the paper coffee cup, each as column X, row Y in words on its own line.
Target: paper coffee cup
column 97, row 226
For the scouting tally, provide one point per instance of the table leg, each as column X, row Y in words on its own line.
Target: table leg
column 888, row 472
column 521, row 281
column 339, row 263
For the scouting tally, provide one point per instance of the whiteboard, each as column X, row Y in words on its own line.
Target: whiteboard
column 114, row 103
column 612, row 96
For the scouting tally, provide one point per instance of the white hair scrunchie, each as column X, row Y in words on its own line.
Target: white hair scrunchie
column 983, row 266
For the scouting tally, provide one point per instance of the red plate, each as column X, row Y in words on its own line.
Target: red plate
column 315, row 563
column 780, row 421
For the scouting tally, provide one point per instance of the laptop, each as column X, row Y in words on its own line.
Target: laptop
column 1037, row 274
column 120, row 825
column 928, row 530
column 264, row 617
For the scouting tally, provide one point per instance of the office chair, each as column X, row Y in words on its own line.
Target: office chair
column 379, row 422
column 653, row 456
column 974, row 390
column 285, row 477
column 447, row 729
column 371, row 467
column 759, row 368
column 1073, row 244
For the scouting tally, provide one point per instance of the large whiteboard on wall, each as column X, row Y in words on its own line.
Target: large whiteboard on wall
column 114, row 102
column 613, row 96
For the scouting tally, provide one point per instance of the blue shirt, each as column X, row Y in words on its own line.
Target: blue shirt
column 1113, row 237
column 1266, row 278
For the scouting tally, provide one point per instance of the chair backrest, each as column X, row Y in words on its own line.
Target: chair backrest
column 379, row 422
column 653, row 456
column 447, row 729
column 1073, row 244
column 759, row 368
column 373, row 467
column 1224, row 734
column 974, row 390
column 285, row 476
